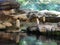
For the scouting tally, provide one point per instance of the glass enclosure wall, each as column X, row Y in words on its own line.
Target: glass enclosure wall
column 40, row 5
column 7, row 0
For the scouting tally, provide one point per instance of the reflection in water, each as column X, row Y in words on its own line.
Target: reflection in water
column 40, row 40
column 43, row 40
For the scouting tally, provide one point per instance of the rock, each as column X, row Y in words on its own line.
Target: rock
column 8, row 24
column 2, row 26
column 8, row 12
column 34, row 30
column 21, row 16
column 9, row 5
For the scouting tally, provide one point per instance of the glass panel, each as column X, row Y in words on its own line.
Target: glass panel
column 40, row 5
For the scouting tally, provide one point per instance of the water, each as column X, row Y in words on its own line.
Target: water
column 42, row 40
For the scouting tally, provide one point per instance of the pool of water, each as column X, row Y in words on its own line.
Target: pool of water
column 42, row 40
